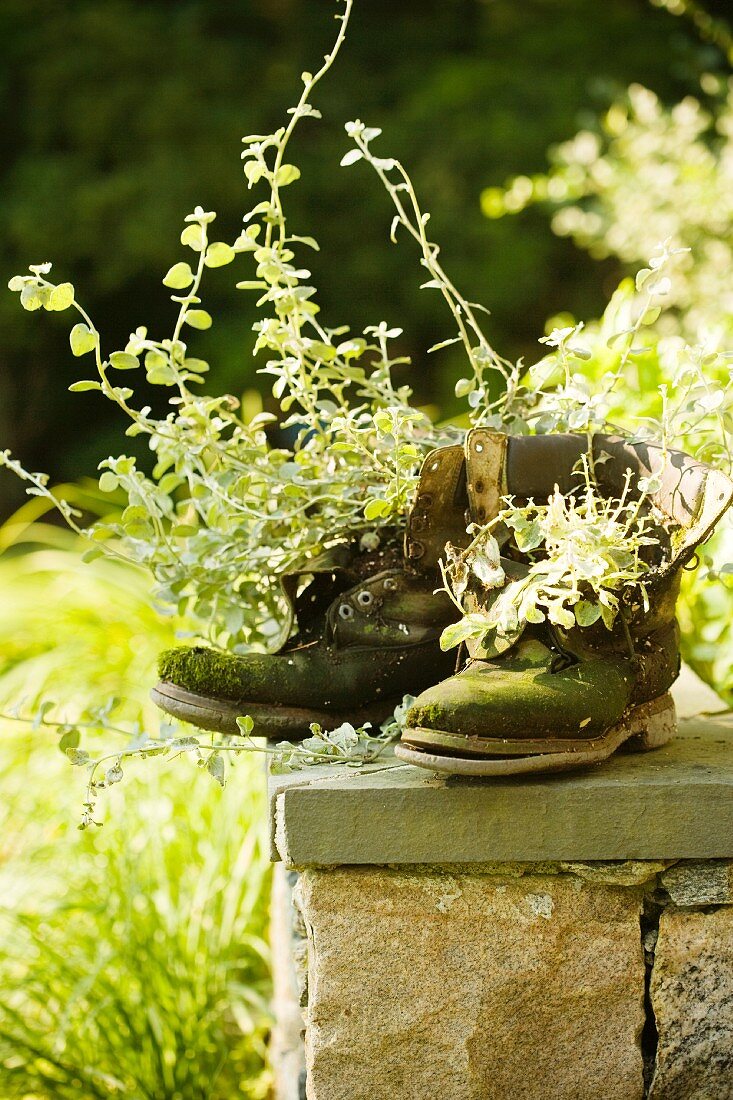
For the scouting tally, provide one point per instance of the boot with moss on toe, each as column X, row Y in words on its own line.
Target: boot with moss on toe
column 559, row 698
column 368, row 632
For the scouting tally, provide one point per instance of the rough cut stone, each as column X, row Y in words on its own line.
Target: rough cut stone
column 700, row 883
column 623, row 872
column 437, row 986
column 692, row 998
column 627, row 872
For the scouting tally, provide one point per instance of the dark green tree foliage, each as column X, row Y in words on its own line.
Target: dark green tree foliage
column 120, row 115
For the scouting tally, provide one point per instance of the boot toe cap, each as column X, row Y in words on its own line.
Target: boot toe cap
column 213, row 674
column 525, row 704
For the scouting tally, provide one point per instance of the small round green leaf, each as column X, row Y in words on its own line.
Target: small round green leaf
column 286, row 173
column 376, row 508
column 180, row 275
column 464, row 386
column 198, row 318
column 641, row 277
column 218, row 254
column 215, row 768
column 163, row 377
column 586, row 613
column 69, row 740
column 30, row 297
column 77, row 756
column 83, row 386
column 82, row 339
column 122, row 360
column 108, row 482
column 60, row 298
column 193, row 236
column 155, row 361
column 254, row 171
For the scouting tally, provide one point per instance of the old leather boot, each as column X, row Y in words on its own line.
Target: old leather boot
column 561, row 698
column 368, row 632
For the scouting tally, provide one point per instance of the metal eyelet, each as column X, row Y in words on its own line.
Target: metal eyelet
column 390, row 585
column 346, row 611
column 478, row 447
column 364, row 598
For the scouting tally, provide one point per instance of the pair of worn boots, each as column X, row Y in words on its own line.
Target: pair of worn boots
column 369, row 624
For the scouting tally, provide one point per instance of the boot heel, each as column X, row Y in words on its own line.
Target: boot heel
column 651, row 724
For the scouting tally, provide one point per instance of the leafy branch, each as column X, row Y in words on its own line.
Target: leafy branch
column 409, row 214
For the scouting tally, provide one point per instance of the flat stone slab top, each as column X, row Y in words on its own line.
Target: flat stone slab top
column 673, row 803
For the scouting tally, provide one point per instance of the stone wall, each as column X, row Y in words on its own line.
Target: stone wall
column 559, row 981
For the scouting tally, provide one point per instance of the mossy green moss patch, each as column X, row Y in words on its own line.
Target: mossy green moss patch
column 210, row 672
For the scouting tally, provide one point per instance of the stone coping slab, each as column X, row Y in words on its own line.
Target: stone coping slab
column 670, row 804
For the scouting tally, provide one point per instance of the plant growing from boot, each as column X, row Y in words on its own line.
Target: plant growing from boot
column 588, row 551
column 646, row 170
column 584, row 555
column 225, row 512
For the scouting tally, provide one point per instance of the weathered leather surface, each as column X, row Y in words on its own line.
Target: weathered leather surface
column 438, row 515
column 538, row 463
column 485, row 473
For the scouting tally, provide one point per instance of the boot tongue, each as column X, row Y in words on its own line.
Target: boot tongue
column 524, row 656
column 310, row 591
column 531, row 652
column 535, row 648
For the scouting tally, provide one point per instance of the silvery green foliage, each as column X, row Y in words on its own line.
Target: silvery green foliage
column 104, row 768
column 213, row 753
column 584, row 554
column 225, row 512
column 346, row 745
column 483, row 361
column 647, row 172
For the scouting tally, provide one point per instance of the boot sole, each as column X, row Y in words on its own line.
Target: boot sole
column 644, row 727
column 273, row 722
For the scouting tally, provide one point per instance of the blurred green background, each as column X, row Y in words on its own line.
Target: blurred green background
column 118, row 116
column 133, row 958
